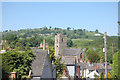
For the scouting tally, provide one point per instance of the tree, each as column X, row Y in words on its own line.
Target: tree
column 16, row 61
column 96, row 31
column 68, row 28
column 50, row 27
column 57, row 61
column 69, row 43
column 115, row 65
column 60, row 67
column 93, row 56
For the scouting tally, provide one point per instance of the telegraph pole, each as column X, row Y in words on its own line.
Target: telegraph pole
column 105, row 46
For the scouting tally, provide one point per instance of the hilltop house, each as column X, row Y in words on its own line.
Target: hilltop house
column 42, row 66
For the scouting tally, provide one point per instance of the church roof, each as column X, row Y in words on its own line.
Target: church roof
column 72, row 52
column 38, row 63
column 68, row 60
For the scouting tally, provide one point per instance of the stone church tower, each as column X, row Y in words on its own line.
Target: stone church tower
column 60, row 44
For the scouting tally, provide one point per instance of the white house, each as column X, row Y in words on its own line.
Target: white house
column 92, row 74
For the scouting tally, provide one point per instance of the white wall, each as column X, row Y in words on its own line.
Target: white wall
column 71, row 70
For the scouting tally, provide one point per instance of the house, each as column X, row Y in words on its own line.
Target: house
column 42, row 66
column 97, row 34
column 86, row 69
column 93, row 74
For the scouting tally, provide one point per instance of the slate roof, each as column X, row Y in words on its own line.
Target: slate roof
column 101, row 66
column 38, row 63
column 68, row 60
column 86, row 66
column 72, row 52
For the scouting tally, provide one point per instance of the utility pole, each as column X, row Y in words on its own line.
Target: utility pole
column 105, row 46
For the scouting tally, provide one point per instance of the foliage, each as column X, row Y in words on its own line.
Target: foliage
column 57, row 61
column 79, row 38
column 115, row 65
column 17, row 61
column 60, row 67
column 109, row 75
column 101, row 75
column 69, row 43
column 96, row 31
column 93, row 56
column 96, row 76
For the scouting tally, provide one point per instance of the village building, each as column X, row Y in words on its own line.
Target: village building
column 42, row 66
column 68, row 55
column 75, row 61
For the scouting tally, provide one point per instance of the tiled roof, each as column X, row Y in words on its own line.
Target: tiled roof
column 38, row 63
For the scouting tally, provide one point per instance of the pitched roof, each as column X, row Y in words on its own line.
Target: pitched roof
column 68, row 60
column 72, row 52
column 38, row 63
column 101, row 66
column 86, row 66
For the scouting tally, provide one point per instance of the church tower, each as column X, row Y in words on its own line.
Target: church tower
column 60, row 44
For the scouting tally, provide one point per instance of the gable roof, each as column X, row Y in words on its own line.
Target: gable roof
column 72, row 52
column 38, row 64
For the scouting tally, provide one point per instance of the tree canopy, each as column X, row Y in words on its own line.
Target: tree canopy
column 17, row 61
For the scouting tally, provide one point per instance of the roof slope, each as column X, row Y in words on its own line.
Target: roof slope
column 38, row 63
column 86, row 66
column 68, row 60
column 72, row 52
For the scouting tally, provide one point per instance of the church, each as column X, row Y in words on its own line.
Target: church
column 69, row 56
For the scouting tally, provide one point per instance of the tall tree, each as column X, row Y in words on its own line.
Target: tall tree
column 115, row 65
column 16, row 61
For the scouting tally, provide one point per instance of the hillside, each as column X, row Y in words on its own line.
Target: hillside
column 78, row 38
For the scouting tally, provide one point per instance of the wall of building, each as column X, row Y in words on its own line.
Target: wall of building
column 71, row 70
column 60, row 44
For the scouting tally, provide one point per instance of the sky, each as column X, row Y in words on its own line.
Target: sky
column 78, row 15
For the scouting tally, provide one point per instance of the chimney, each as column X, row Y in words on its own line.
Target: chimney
column 44, row 44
